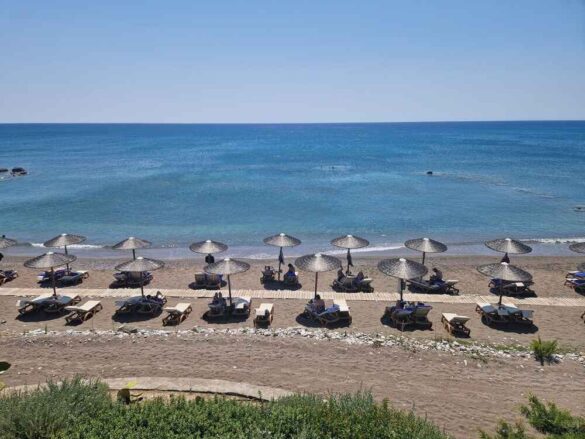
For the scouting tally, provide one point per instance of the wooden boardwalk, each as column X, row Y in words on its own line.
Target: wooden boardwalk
column 303, row 295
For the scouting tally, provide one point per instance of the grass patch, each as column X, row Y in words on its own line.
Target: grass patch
column 544, row 350
column 77, row 410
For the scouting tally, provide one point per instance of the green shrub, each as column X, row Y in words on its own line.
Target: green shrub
column 544, row 350
column 547, row 419
column 76, row 410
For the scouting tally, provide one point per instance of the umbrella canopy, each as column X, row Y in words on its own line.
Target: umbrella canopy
column 426, row 245
column 208, row 247
column 133, row 244
column 140, row 265
column 228, row 267
column 578, row 247
column 508, row 245
column 64, row 239
column 6, row 242
column 50, row 260
column 350, row 241
column 282, row 240
column 403, row 269
column 317, row 263
column 505, row 272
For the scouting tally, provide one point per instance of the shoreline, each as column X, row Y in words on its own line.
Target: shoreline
column 540, row 247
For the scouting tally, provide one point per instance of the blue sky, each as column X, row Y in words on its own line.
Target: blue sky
column 291, row 61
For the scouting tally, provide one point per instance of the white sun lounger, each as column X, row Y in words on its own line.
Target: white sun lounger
column 176, row 314
column 242, row 305
column 454, row 323
column 264, row 314
column 84, row 311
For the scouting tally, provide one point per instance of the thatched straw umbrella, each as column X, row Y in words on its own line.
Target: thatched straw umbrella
column 508, row 246
column 50, row 260
column 403, row 269
column 317, row 263
column 506, row 272
column 425, row 245
column 63, row 240
column 141, row 265
column 281, row 240
column 227, row 267
column 133, row 244
column 350, row 242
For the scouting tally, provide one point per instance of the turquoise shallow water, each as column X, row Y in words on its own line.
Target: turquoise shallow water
column 174, row 184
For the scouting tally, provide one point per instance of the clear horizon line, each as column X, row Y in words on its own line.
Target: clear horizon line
column 295, row 123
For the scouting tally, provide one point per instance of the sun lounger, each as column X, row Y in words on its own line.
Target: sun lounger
column 575, row 283
column 46, row 303
column 200, row 280
column 455, row 324
column 518, row 315
column 73, row 277
column 84, row 311
column 267, row 274
column 512, row 287
column 45, row 276
column 428, row 287
column 176, row 314
column 346, row 285
column 264, row 314
column 291, row 281
column 502, row 314
column 151, row 305
column 213, row 282
column 420, row 316
column 7, row 276
column 241, row 306
column 575, row 275
column 338, row 313
column 131, row 279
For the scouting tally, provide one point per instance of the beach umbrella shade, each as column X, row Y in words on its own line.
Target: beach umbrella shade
column 281, row 240
column 140, row 265
column 403, row 269
column 505, row 272
column 6, row 242
column 50, row 260
column 63, row 240
column 317, row 263
column 350, row 242
column 578, row 247
column 227, row 267
column 133, row 244
column 425, row 245
column 508, row 246
column 208, row 247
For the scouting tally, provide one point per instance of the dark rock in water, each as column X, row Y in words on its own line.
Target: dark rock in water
column 3, row 170
column 429, row 172
column 18, row 171
column 579, row 208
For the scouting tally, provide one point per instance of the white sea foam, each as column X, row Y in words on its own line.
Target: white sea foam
column 77, row 246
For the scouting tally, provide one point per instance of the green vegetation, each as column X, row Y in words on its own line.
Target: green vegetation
column 547, row 419
column 78, row 410
column 544, row 350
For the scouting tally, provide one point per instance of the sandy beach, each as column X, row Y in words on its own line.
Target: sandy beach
column 438, row 384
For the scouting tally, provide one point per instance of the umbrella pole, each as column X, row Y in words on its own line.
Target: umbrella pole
column 68, row 269
column 230, row 290
column 501, row 294
column 53, row 281
column 316, row 280
column 279, row 264
column 423, row 260
column 133, row 254
column 142, row 283
column 348, row 256
column 401, row 289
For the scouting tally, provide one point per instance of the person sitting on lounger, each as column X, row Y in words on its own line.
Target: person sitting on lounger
column 218, row 299
column 291, row 271
column 340, row 275
column 209, row 259
column 437, row 277
column 318, row 304
column 506, row 258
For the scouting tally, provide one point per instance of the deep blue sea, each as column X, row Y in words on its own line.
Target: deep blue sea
column 175, row 184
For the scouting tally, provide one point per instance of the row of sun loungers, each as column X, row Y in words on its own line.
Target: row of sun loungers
column 503, row 314
column 208, row 281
